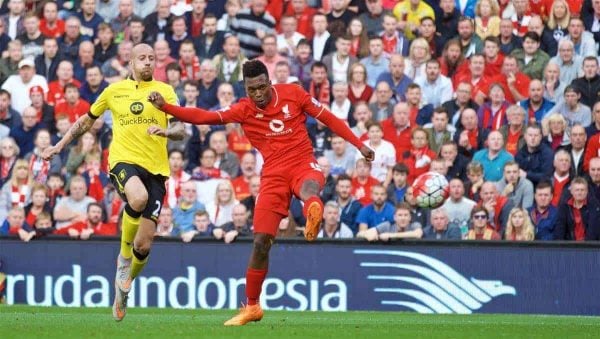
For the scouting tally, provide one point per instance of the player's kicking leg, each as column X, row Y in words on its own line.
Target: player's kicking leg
column 257, row 267
column 313, row 207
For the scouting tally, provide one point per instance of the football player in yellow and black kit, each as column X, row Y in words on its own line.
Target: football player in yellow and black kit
column 137, row 160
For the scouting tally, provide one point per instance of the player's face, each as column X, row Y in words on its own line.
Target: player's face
column 259, row 90
column 143, row 61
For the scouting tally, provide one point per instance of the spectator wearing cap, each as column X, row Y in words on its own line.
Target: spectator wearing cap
column 56, row 88
column 572, row 108
column 47, row 63
column 45, row 112
column 18, row 85
column 9, row 117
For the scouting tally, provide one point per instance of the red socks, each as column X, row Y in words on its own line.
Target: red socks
column 307, row 203
column 254, row 281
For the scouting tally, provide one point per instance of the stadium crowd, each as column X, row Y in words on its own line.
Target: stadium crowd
column 501, row 98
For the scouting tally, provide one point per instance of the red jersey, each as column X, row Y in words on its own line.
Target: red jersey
column 362, row 192
column 80, row 108
column 493, row 68
column 241, row 187
column 56, row 92
column 277, row 131
column 400, row 140
column 56, row 32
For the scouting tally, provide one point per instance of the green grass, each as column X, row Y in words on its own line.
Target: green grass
column 41, row 322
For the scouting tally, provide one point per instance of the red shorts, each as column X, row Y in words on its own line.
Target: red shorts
column 276, row 189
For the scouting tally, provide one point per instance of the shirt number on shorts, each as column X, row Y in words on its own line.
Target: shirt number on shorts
column 156, row 211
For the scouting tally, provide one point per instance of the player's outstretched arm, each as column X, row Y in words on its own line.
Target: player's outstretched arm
column 340, row 128
column 82, row 125
column 175, row 131
column 192, row 115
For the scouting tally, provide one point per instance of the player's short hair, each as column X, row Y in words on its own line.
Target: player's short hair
column 254, row 68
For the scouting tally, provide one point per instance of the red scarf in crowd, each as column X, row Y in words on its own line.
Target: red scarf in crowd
column 6, row 166
column 323, row 96
column 195, row 69
column 18, row 195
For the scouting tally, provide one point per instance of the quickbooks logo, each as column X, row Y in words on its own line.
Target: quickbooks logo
column 426, row 285
column 138, row 121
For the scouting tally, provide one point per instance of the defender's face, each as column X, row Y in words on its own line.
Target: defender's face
column 259, row 90
column 143, row 62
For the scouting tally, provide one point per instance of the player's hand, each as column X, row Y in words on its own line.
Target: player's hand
column 368, row 153
column 49, row 152
column 156, row 130
column 156, row 99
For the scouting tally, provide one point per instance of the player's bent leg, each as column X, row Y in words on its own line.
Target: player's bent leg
column 137, row 198
column 313, row 208
column 142, row 245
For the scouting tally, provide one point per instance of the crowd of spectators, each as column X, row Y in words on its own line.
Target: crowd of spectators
column 500, row 97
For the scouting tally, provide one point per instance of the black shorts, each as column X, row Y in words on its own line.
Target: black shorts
column 154, row 183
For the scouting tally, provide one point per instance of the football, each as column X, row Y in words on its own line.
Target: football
column 430, row 190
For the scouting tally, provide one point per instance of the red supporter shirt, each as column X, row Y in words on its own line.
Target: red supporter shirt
column 512, row 142
column 55, row 32
column 278, row 131
column 56, row 92
column 241, row 187
column 362, row 192
column 304, row 21
column 494, row 68
column 80, row 108
column 579, row 227
column 521, row 84
column 482, row 85
column 559, row 186
column 400, row 140
column 100, row 229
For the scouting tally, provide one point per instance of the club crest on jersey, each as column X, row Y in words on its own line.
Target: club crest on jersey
column 286, row 112
column 259, row 115
column 136, row 107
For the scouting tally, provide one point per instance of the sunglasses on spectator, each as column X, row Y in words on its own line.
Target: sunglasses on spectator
column 480, row 216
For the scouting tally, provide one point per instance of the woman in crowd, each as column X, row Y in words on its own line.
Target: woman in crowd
column 519, row 226
column 359, row 41
column 558, row 20
column 555, row 131
column 487, row 21
column 418, row 56
column 220, row 210
column 358, row 90
column 17, row 191
column 87, row 144
column 9, row 151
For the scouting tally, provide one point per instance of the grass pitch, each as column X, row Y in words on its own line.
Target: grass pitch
column 53, row 322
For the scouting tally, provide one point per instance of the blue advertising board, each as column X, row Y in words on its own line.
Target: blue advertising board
column 421, row 277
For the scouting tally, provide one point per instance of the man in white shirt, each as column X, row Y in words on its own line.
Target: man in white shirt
column 338, row 63
column 18, row 85
column 436, row 88
column 340, row 106
column 289, row 37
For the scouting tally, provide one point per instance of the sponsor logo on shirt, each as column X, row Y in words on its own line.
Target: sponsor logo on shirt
column 136, row 107
column 138, row 121
column 286, row 112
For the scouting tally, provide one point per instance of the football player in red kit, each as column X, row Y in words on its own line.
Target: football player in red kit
column 273, row 119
